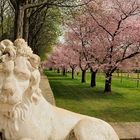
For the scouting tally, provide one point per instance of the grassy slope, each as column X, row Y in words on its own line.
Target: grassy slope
column 122, row 105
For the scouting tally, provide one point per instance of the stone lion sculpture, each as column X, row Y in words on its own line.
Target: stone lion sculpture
column 26, row 115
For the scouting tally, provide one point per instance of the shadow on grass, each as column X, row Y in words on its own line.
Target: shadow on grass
column 65, row 88
column 81, row 92
column 121, row 105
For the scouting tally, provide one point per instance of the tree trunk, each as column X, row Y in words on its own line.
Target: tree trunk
column 72, row 73
column 108, row 80
column 19, row 16
column 2, row 20
column 118, row 73
column 93, row 78
column 121, row 77
column 138, row 79
column 58, row 71
column 83, row 76
column 26, row 26
column 64, row 72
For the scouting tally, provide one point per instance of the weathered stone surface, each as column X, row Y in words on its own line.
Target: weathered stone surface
column 127, row 130
column 26, row 115
column 46, row 90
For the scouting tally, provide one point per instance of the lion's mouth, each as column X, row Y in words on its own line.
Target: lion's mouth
column 7, row 110
column 9, row 100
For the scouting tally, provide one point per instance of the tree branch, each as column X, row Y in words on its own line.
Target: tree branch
column 33, row 5
column 14, row 3
column 127, row 57
column 98, row 22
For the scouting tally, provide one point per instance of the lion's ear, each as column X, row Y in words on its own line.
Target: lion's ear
column 35, row 97
column 34, row 61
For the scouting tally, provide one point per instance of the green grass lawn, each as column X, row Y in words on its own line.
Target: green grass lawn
column 123, row 105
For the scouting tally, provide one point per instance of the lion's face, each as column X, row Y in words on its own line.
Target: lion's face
column 14, row 81
column 19, row 76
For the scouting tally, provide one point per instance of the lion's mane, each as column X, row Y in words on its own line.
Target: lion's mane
column 20, row 111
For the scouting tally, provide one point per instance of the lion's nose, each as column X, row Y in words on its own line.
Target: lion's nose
column 7, row 90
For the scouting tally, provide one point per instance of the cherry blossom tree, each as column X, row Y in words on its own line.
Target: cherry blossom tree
column 104, row 36
column 96, row 58
column 119, row 25
column 83, row 31
column 58, row 60
column 72, row 57
column 80, row 30
column 73, row 40
column 64, row 57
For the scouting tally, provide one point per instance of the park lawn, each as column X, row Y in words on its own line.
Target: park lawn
column 123, row 105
